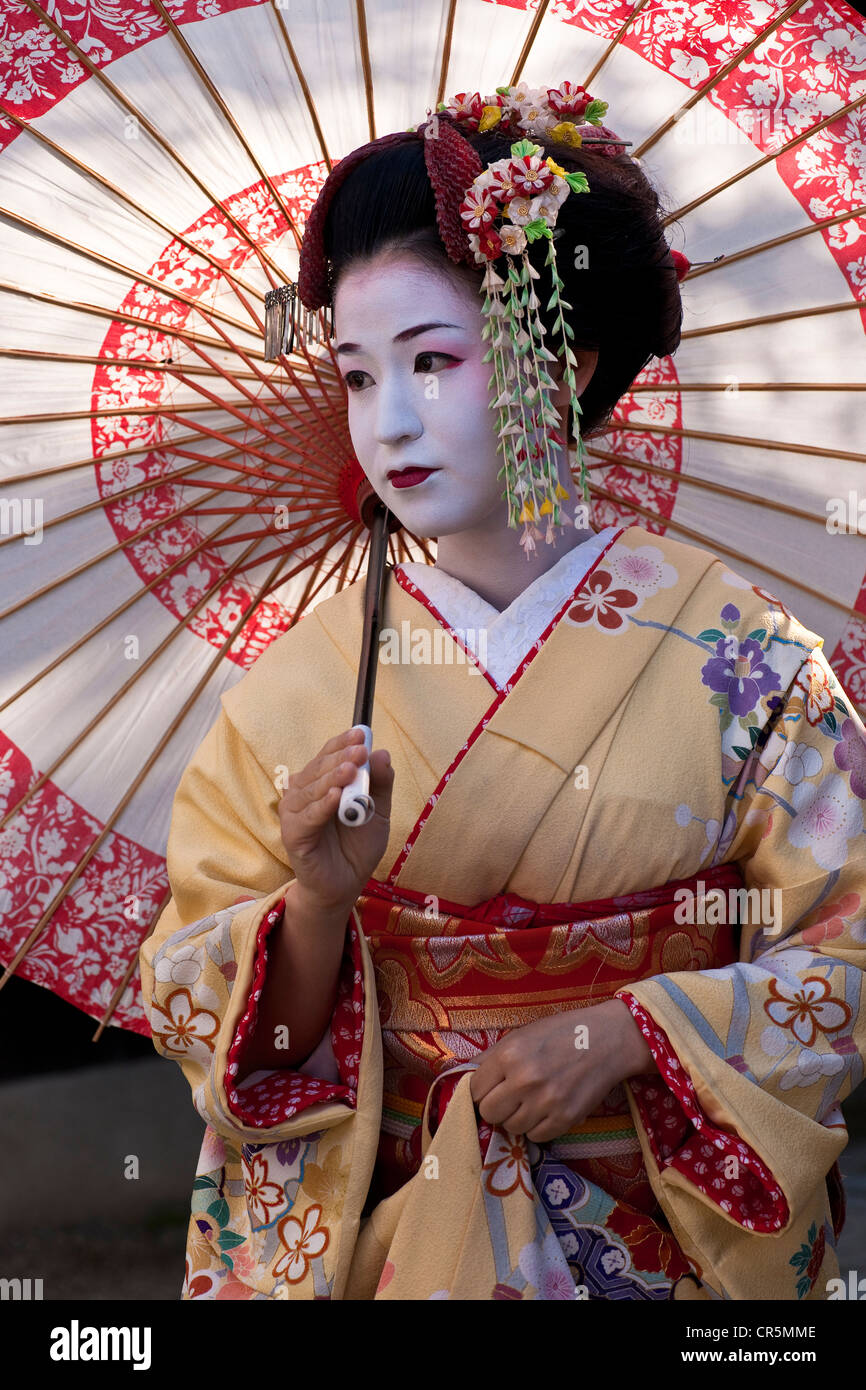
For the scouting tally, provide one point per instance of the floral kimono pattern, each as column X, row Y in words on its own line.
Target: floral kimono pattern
column 663, row 803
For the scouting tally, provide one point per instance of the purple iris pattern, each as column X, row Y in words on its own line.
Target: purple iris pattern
column 850, row 756
column 739, row 671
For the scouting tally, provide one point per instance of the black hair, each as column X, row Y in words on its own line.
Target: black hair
column 613, row 258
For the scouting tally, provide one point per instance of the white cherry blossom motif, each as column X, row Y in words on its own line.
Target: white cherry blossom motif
column 644, row 569
column 507, row 1165
column 799, row 761
column 810, row 1067
column 303, row 1242
column 262, row 1195
column 183, row 967
column 828, row 816
column 184, row 1029
column 806, row 1007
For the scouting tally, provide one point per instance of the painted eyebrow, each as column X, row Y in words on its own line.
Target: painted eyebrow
column 405, row 335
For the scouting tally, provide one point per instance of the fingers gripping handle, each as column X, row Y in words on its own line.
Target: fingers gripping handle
column 356, row 803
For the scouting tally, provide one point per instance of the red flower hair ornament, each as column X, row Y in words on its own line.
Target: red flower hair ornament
column 483, row 214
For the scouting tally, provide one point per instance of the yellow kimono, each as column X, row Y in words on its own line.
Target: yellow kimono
column 664, row 802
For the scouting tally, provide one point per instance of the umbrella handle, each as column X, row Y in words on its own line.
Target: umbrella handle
column 356, row 803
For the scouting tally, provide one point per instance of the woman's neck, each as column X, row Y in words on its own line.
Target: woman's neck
column 494, row 564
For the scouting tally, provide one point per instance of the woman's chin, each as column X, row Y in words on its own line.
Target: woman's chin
column 431, row 522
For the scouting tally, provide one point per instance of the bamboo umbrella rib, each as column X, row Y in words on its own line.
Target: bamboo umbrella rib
column 304, row 85
column 263, row 430
column 179, row 474
column 364, row 50
column 361, row 558
column 207, row 543
column 95, row 459
column 213, row 317
column 351, row 531
column 166, row 330
column 97, row 719
column 718, row 77
column 62, row 892
column 130, row 364
column 262, row 559
column 174, row 413
column 267, row 380
column 164, row 446
column 97, row 559
column 717, row 545
column 88, row 564
column 295, row 382
column 258, row 403
column 293, row 476
column 219, row 101
column 253, row 449
column 344, row 568
column 767, row 158
column 109, row 412
column 446, row 51
column 135, row 364
column 529, row 41
column 608, row 459
column 128, row 972
column 617, row 38
column 180, row 419
column 60, row 152
column 745, row 441
column 286, row 437
column 170, row 409
column 221, row 459
column 204, row 544
column 189, row 339
column 749, row 386
column 422, row 545
column 775, row 318
column 293, row 486
column 771, row 245
column 268, row 264
column 126, row 271
column 326, row 421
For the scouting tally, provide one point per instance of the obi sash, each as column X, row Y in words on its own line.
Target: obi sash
column 451, row 980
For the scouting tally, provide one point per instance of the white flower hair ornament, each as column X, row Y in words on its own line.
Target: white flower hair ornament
column 514, row 202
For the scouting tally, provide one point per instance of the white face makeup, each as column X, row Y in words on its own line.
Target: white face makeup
column 420, row 397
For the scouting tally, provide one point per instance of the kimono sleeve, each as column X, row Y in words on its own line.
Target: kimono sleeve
column 204, row 964
column 760, row 1053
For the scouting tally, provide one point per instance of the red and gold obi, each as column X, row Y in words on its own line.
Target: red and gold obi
column 452, row 980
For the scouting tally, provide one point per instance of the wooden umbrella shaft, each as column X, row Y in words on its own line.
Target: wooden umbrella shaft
column 373, row 598
column 356, row 805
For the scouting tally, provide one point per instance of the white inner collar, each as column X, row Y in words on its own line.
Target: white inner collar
column 501, row 640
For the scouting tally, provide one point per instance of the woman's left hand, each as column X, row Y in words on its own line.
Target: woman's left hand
column 544, row 1078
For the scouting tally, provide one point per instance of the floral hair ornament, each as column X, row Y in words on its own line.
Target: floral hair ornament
column 512, row 203
column 481, row 215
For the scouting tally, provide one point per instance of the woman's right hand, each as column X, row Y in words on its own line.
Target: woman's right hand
column 331, row 861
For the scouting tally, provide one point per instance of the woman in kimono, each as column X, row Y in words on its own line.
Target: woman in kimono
column 572, row 1015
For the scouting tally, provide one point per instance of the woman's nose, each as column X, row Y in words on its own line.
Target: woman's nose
column 397, row 417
